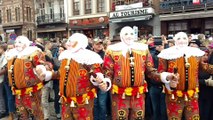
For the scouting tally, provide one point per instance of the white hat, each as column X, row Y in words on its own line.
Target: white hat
column 23, row 40
column 80, row 38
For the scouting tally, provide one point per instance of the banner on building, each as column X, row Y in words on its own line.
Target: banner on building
column 196, row 2
column 128, row 7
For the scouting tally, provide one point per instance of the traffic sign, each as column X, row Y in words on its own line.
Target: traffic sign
column 13, row 36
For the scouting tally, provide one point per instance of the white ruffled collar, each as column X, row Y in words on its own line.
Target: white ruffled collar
column 124, row 48
column 83, row 56
column 26, row 52
column 176, row 52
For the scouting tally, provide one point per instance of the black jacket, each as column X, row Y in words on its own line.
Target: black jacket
column 205, row 91
column 101, row 53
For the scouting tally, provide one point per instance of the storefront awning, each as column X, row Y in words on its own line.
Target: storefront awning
column 43, row 30
column 83, row 27
column 186, row 15
column 128, row 19
column 12, row 27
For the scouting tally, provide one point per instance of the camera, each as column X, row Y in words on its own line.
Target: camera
column 158, row 41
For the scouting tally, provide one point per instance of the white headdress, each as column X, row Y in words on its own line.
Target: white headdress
column 127, row 30
column 23, row 40
column 81, row 39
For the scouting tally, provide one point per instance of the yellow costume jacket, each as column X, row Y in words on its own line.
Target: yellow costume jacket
column 75, row 85
column 127, row 67
column 21, row 73
column 187, row 62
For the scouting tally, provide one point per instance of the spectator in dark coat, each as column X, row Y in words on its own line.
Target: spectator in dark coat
column 206, row 90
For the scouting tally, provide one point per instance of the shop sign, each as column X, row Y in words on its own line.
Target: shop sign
column 131, row 13
column 131, row 6
column 10, row 31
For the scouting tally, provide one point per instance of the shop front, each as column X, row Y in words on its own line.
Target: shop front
column 189, row 16
column 52, row 31
column 91, row 27
column 142, row 18
column 16, row 30
column 192, row 23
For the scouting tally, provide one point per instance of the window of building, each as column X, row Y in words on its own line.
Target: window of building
column 126, row 2
column 209, row 24
column 76, row 7
column 100, row 6
column 29, row 15
column 41, row 12
column 9, row 19
column 119, row 2
column 175, row 27
column 29, row 34
column 0, row 17
column 51, row 10
column 99, row 33
column 17, row 12
column 42, row 9
column 88, row 7
column 61, row 5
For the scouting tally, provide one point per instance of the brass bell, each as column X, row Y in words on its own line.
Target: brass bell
column 173, row 96
column 186, row 98
column 123, row 95
column 187, row 65
column 10, row 71
column 60, row 100
column 13, row 92
column 19, row 97
column 195, row 95
column 163, row 91
column 147, row 90
column 113, row 92
column 87, row 101
column 138, row 95
column 132, row 64
column 30, row 94
column 72, row 104
column 95, row 95
column 67, row 67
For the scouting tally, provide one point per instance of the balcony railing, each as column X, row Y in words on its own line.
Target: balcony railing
column 51, row 18
column 88, row 11
column 76, row 12
column 175, row 6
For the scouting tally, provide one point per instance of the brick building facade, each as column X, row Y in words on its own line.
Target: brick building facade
column 89, row 17
column 187, row 16
column 17, row 18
